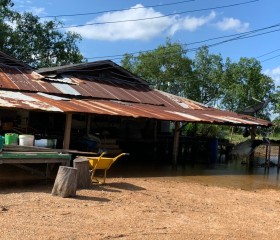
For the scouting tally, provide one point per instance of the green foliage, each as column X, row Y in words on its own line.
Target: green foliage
column 205, row 87
column 37, row 43
column 276, row 101
column 228, row 85
column 166, row 68
column 243, row 83
column 203, row 130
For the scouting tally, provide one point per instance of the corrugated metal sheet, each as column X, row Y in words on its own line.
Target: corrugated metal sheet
column 22, row 88
column 46, row 102
column 15, row 79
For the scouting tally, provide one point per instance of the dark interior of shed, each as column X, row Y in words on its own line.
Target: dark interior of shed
column 147, row 140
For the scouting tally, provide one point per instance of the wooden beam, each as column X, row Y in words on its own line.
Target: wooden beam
column 175, row 144
column 67, row 131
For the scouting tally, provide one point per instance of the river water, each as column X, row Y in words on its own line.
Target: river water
column 232, row 174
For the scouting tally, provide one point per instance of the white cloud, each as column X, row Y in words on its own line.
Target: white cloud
column 233, row 24
column 36, row 10
column 139, row 30
column 192, row 23
column 274, row 74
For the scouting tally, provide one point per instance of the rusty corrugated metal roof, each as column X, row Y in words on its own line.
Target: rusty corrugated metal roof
column 44, row 102
column 85, row 86
column 85, row 93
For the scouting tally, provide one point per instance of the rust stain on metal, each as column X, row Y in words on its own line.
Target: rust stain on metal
column 25, row 89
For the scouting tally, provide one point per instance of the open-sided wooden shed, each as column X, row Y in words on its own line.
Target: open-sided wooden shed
column 95, row 90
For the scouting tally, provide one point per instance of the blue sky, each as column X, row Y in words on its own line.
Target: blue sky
column 184, row 22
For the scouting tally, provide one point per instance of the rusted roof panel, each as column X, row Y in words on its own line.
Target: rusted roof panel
column 46, row 102
column 85, row 86
column 83, row 93
column 14, row 78
column 90, row 87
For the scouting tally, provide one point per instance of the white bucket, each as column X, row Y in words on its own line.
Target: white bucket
column 26, row 140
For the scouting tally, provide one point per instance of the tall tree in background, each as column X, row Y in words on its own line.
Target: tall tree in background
column 244, row 85
column 208, row 71
column 276, row 101
column 39, row 44
column 166, row 68
column 5, row 15
column 206, row 78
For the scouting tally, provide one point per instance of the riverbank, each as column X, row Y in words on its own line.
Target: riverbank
column 140, row 208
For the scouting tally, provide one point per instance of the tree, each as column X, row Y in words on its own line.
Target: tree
column 166, row 68
column 276, row 104
column 244, row 85
column 39, row 44
column 6, row 15
column 205, row 86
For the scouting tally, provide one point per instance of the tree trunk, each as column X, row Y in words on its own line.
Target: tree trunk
column 83, row 178
column 65, row 184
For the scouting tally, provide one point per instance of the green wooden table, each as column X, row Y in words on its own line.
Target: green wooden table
column 20, row 159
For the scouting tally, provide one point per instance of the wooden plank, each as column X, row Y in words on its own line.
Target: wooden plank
column 35, row 155
column 37, row 160
column 17, row 148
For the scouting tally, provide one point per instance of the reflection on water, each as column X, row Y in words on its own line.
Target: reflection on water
column 231, row 175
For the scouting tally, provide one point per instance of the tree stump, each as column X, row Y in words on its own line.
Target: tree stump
column 83, row 178
column 65, row 184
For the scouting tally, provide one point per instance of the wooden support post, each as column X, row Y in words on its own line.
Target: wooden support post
column 65, row 184
column 278, row 163
column 175, row 144
column 252, row 155
column 67, row 132
column 253, row 133
column 88, row 123
column 83, row 178
column 155, row 141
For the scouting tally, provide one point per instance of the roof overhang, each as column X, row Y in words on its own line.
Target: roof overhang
column 52, row 103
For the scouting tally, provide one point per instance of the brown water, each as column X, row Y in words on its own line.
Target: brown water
column 229, row 175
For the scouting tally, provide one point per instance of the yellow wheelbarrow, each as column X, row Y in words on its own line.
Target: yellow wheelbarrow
column 102, row 163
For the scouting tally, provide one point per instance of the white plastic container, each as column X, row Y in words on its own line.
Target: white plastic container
column 26, row 140
column 47, row 143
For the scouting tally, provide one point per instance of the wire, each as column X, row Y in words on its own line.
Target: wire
column 271, row 58
column 115, row 10
column 268, row 53
column 239, row 36
column 150, row 18
column 192, row 43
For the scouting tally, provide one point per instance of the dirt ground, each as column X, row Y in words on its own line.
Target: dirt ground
column 140, row 208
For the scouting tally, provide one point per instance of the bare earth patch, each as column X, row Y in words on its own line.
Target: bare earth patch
column 140, row 208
